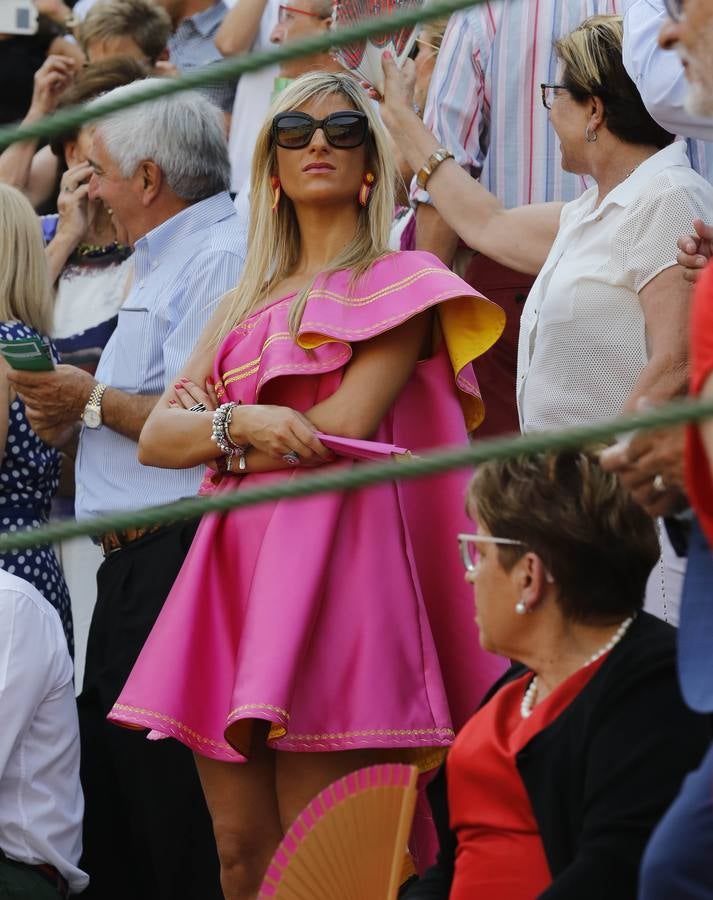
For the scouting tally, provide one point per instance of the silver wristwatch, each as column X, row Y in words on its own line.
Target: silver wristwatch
column 92, row 415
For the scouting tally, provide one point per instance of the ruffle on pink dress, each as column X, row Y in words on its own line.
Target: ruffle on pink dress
column 343, row 620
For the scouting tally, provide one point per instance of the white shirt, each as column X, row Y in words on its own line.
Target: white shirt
column 583, row 341
column 252, row 101
column 41, row 803
column 658, row 73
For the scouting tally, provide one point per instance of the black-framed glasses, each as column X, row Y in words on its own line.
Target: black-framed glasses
column 344, row 129
column 549, row 92
column 675, row 9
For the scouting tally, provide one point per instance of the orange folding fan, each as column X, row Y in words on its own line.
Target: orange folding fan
column 350, row 842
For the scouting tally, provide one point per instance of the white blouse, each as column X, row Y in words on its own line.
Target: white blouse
column 583, row 341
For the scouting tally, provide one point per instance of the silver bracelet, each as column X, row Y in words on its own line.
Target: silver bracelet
column 220, row 433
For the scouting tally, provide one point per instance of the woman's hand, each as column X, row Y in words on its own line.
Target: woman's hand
column 277, row 431
column 73, row 203
column 399, row 85
column 52, row 78
column 696, row 249
column 187, row 394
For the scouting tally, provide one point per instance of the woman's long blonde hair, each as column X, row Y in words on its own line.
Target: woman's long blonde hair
column 25, row 289
column 274, row 236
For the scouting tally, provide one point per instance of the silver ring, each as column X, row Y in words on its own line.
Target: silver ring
column 292, row 458
column 659, row 484
column 198, row 407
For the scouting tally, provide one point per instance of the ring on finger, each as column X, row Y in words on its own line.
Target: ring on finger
column 292, row 458
column 659, row 484
column 197, row 407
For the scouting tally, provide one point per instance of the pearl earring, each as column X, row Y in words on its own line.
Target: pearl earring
column 520, row 608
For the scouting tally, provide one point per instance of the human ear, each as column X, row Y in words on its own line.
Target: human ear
column 532, row 580
column 150, row 180
column 70, row 153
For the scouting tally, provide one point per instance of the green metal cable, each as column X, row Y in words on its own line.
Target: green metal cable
column 73, row 117
column 360, row 476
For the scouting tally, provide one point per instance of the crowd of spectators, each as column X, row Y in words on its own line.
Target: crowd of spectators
column 230, row 287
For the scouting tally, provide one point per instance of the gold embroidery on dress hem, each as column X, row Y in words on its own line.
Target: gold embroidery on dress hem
column 179, row 725
column 277, row 709
column 386, row 732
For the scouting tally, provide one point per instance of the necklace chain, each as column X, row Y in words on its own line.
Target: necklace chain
column 530, row 695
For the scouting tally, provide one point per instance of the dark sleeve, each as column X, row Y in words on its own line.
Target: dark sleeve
column 436, row 882
column 645, row 740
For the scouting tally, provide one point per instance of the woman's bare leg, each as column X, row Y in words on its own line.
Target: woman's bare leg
column 242, row 801
column 299, row 777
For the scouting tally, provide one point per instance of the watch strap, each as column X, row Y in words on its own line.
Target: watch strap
column 95, row 398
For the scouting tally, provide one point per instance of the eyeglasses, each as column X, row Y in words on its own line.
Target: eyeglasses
column 344, row 129
column 549, row 92
column 675, row 9
column 469, row 550
column 286, row 11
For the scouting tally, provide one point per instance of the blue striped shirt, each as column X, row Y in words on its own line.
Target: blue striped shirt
column 181, row 269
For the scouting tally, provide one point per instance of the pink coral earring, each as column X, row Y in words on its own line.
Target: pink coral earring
column 276, row 192
column 365, row 189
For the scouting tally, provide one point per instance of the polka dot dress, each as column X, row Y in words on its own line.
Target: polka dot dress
column 29, row 477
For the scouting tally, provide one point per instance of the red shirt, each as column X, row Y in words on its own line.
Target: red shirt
column 500, row 855
column 698, row 472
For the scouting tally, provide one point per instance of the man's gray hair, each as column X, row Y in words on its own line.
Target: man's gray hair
column 184, row 134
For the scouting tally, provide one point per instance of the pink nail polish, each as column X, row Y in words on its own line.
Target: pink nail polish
column 178, row 387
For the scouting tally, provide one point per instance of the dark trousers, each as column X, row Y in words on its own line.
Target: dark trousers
column 147, row 831
column 20, row 882
column 678, row 862
column 496, row 369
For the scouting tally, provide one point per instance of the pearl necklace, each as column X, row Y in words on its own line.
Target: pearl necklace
column 528, row 700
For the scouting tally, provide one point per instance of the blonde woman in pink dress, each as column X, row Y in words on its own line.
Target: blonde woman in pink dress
column 304, row 639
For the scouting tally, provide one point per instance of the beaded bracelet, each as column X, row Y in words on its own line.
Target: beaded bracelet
column 222, row 417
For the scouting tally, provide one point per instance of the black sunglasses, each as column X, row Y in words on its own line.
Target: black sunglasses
column 344, row 129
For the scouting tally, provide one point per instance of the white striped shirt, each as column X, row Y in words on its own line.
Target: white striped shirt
column 484, row 102
column 181, row 270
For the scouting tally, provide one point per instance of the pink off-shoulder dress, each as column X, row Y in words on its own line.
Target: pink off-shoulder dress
column 343, row 620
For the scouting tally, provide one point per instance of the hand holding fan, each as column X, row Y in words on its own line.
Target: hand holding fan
column 350, row 842
column 364, row 58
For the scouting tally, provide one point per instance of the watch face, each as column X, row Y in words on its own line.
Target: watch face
column 92, row 417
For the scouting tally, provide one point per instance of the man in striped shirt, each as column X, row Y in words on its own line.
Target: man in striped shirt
column 163, row 168
column 484, row 105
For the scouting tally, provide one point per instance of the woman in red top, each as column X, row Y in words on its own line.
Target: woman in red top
column 554, row 786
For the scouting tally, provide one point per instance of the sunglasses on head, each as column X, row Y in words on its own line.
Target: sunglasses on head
column 344, row 129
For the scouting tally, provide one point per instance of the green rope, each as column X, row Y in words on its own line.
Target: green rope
column 360, row 476
column 67, row 120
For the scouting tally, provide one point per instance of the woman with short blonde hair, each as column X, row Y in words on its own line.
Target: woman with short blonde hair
column 29, row 469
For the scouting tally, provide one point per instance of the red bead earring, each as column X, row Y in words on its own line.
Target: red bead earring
column 366, row 186
column 275, row 182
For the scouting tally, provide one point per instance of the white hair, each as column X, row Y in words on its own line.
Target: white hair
column 182, row 133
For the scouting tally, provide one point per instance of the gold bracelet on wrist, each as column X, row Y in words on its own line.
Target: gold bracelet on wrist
column 430, row 166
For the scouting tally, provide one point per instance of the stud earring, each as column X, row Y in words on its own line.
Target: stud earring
column 520, row 608
column 276, row 192
column 365, row 189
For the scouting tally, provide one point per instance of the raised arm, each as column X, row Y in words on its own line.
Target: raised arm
column 518, row 238
column 16, row 162
column 239, row 28
column 176, row 438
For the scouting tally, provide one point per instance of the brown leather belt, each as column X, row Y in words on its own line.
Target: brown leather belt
column 115, row 540
column 48, row 872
